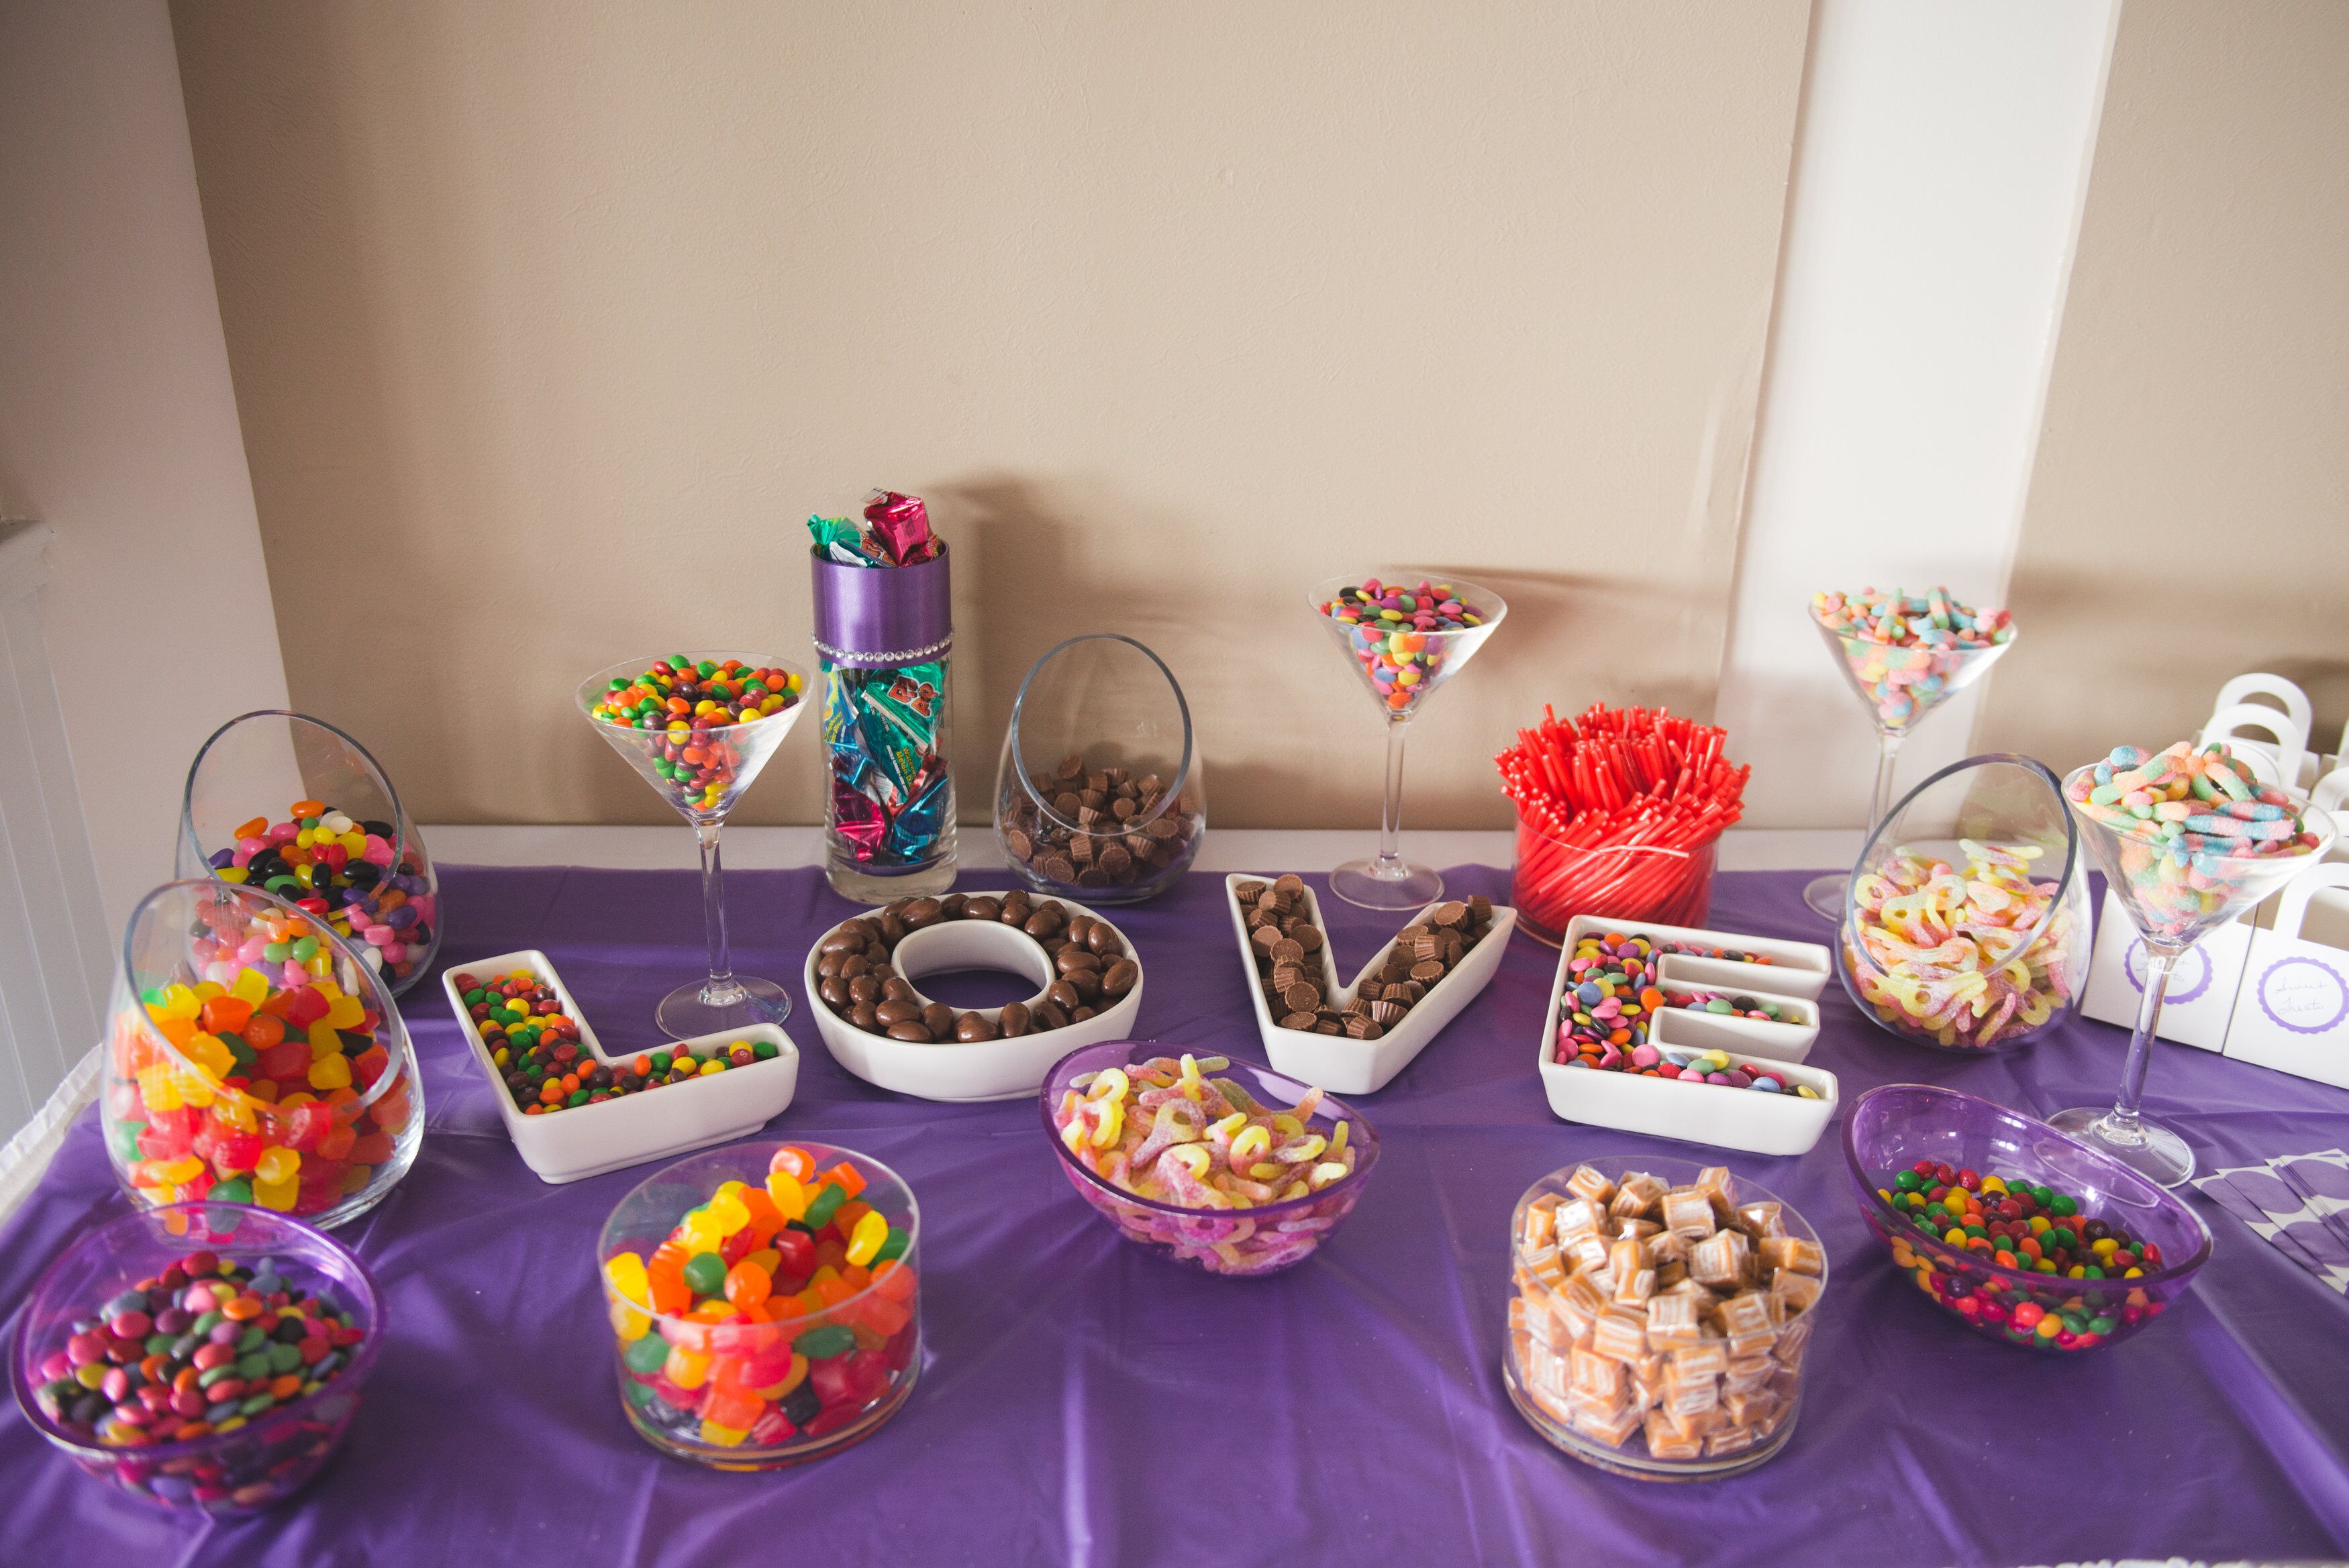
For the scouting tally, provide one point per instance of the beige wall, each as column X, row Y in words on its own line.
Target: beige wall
column 117, row 426
column 2189, row 517
column 549, row 325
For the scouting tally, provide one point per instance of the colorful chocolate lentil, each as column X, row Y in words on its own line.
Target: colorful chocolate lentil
column 546, row 1067
column 2033, row 1229
column 205, row 1347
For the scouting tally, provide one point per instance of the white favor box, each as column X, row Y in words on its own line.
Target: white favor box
column 650, row 1124
column 960, row 1071
column 2291, row 1012
column 2202, row 985
column 1795, row 968
column 1741, row 1118
column 1339, row 1063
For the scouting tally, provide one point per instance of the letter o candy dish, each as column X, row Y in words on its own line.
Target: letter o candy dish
column 1226, row 1166
column 879, row 1025
column 765, row 1302
column 1662, row 1316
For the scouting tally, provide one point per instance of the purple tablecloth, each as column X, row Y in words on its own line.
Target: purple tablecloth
column 1085, row 1402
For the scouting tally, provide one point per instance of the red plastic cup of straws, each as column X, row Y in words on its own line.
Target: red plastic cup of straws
column 1667, row 884
column 1620, row 814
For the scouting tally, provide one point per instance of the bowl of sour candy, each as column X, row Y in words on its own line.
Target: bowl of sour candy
column 1223, row 1165
column 2015, row 1230
column 200, row 1357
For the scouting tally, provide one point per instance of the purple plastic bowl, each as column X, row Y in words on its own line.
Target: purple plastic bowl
column 1239, row 1244
column 275, row 1454
column 1889, row 1130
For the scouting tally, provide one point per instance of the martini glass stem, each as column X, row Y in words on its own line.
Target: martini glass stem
column 1389, row 866
column 2122, row 1124
column 1880, row 804
column 721, row 988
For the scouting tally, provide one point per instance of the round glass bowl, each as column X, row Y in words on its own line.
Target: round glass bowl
column 293, row 806
column 1966, row 923
column 1101, row 794
column 215, row 982
column 787, row 1381
column 1889, row 1130
column 1722, row 1379
column 241, row 1463
column 1235, row 1243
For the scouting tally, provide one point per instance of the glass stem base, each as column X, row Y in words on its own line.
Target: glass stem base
column 1386, row 883
column 2148, row 1148
column 709, row 1007
column 1825, row 894
column 861, row 886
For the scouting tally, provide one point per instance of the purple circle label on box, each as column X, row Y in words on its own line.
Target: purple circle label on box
column 2306, row 995
column 2192, row 973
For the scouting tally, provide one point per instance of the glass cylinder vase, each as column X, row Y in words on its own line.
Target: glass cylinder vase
column 884, row 637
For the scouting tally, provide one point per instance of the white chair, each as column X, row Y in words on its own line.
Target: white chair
column 2283, row 752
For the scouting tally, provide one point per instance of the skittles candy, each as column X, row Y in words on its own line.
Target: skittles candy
column 776, row 1320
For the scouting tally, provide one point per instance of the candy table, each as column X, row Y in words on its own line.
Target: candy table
column 1088, row 1403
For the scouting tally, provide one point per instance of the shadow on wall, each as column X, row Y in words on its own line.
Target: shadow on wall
column 1289, row 737
column 2082, row 696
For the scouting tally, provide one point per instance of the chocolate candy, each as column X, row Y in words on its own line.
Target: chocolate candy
column 1287, row 946
column 2014, row 1223
column 855, row 980
column 696, row 703
column 1097, row 829
column 205, row 1347
column 1397, row 635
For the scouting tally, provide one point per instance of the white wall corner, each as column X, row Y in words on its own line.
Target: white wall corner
column 1941, row 171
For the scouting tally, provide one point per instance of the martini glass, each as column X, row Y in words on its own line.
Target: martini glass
column 1901, row 686
column 2171, row 913
column 1401, row 668
column 701, row 773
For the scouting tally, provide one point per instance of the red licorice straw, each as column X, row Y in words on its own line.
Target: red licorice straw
column 1613, row 808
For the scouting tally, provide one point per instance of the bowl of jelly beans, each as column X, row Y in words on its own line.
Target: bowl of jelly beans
column 253, row 1058
column 1224, row 1166
column 2015, row 1230
column 293, row 806
column 201, row 1357
column 765, row 1302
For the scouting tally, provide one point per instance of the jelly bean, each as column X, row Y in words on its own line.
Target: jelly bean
column 742, row 1330
column 705, row 1272
column 316, row 857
